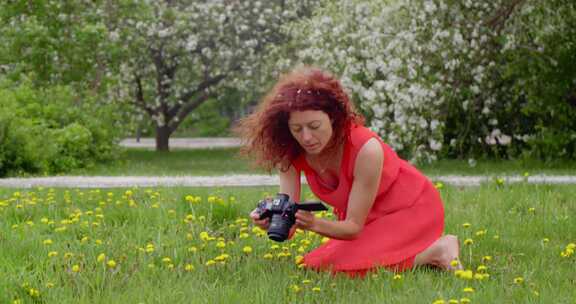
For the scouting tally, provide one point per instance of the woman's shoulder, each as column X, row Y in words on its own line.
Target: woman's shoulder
column 359, row 135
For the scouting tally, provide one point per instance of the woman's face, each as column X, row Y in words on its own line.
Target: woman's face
column 312, row 129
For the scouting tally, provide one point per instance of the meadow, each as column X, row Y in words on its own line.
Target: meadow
column 225, row 161
column 197, row 245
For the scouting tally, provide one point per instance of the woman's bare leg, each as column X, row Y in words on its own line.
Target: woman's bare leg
column 441, row 253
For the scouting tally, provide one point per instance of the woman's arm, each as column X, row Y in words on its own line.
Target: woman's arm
column 289, row 184
column 367, row 173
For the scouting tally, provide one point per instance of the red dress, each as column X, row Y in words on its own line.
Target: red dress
column 406, row 218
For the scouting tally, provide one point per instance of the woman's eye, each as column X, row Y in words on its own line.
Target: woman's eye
column 296, row 130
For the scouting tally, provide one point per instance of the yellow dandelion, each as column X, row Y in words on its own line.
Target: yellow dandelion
column 454, row 263
column 295, row 288
column 518, row 280
column 189, row 267
column 268, row 256
column 47, row 242
column 306, row 281
column 111, row 264
column 466, row 225
column 150, row 248
column 204, row 236
column 192, row 249
column 464, row 301
column 101, row 257
column 452, row 301
column 439, row 301
column 481, row 232
column 316, row 289
column 52, row 254
column 76, row 268
column 481, row 268
column 468, row 290
column 247, row 249
column 468, row 242
column 221, row 244
column 34, row 292
column 464, row 274
column 221, row 257
column 397, row 277
column 210, row 262
column 486, row 258
column 531, row 209
column 298, row 259
column 166, row 260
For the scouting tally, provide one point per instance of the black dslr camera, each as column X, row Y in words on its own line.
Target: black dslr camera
column 281, row 211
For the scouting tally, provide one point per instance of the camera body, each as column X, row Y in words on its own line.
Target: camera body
column 282, row 214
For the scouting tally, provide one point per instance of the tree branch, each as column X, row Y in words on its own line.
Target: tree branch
column 497, row 22
column 200, row 88
column 140, row 102
column 185, row 110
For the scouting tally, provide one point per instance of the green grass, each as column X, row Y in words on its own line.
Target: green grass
column 523, row 228
column 139, row 162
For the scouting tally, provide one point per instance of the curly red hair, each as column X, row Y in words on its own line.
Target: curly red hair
column 265, row 133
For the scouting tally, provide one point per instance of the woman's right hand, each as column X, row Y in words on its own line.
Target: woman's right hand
column 255, row 215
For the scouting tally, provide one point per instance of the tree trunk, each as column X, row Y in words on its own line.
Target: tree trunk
column 162, row 138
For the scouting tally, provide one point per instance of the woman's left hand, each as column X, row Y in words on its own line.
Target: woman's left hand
column 305, row 220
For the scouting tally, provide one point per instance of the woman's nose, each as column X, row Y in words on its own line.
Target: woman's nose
column 306, row 135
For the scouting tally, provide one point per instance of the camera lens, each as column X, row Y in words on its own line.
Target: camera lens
column 279, row 228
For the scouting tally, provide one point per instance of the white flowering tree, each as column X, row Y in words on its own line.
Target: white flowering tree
column 177, row 54
column 432, row 75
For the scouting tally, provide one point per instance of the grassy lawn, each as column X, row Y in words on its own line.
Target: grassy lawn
column 196, row 245
column 226, row 161
column 140, row 162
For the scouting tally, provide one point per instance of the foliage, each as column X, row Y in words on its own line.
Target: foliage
column 55, row 43
column 457, row 78
column 47, row 131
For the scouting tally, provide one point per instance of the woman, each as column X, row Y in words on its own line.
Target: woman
column 388, row 214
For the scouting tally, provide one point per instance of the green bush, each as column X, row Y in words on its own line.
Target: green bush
column 51, row 131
